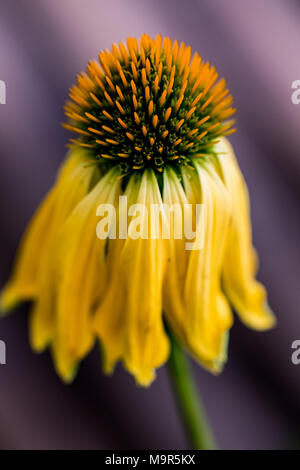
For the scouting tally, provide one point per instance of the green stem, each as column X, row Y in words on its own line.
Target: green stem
column 189, row 402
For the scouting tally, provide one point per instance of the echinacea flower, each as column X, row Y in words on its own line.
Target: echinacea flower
column 150, row 123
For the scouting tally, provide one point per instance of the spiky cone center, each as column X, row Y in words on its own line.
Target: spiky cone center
column 148, row 105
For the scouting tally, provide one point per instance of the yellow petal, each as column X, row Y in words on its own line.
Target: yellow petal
column 246, row 294
column 208, row 315
column 144, row 345
column 174, row 309
column 69, row 191
column 193, row 303
column 109, row 321
column 23, row 283
column 143, row 263
column 80, row 272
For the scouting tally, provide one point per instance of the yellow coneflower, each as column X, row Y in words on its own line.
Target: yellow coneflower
column 149, row 122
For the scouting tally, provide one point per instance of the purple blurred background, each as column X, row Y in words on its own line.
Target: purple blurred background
column 255, row 403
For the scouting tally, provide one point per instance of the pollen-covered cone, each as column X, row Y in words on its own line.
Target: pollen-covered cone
column 146, row 230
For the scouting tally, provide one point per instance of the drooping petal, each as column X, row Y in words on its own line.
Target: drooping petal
column 174, row 308
column 80, row 273
column 246, row 294
column 109, row 321
column 144, row 344
column 143, row 262
column 208, row 316
column 23, row 283
column 73, row 186
column 193, row 302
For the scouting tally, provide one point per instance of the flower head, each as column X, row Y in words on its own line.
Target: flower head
column 148, row 106
column 150, row 125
